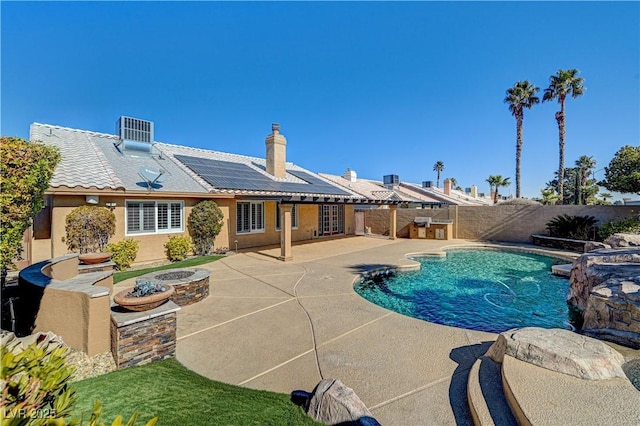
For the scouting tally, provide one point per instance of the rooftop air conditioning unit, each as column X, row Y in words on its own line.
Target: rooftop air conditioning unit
column 391, row 181
column 135, row 134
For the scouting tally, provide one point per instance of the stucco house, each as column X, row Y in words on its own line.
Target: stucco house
column 152, row 186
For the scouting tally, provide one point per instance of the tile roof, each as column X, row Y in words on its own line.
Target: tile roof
column 83, row 165
column 95, row 160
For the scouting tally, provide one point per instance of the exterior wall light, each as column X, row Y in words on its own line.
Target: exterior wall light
column 111, row 206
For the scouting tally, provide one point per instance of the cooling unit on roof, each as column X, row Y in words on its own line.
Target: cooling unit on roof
column 135, row 134
column 391, row 179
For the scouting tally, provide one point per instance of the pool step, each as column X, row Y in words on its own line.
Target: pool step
column 487, row 401
column 562, row 270
column 543, row 397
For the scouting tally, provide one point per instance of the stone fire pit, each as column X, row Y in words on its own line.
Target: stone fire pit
column 191, row 284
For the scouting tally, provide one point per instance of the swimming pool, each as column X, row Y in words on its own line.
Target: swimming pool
column 479, row 289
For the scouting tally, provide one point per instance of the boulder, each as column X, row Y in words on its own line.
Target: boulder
column 559, row 350
column 594, row 245
column 623, row 240
column 594, row 268
column 333, row 403
column 613, row 311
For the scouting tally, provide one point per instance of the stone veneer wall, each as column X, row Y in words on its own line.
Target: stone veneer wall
column 509, row 223
column 192, row 292
column 143, row 340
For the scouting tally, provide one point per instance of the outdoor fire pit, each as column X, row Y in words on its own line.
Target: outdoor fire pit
column 191, row 284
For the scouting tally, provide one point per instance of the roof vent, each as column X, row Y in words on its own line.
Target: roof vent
column 135, row 134
column 391, row 181
column 350, row 175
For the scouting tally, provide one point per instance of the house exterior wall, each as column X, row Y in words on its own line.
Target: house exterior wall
column 151, row 246
column 509, row 223
column 307, row 224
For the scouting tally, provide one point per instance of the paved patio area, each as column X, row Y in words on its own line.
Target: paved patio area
column 285, row 326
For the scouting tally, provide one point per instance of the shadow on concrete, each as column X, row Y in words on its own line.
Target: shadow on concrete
column 464, row 356
column 490, row 378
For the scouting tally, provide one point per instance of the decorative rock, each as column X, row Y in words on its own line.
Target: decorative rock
column 334, row 403
column 623, row 240
column 592, row 269
column 613, row 311
column 594, row 245
column 559, row 350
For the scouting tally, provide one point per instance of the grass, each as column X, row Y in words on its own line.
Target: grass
column 195, row 261
column 178, row 396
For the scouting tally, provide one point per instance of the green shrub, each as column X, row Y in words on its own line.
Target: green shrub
column 35, row 381
column 88, row 229
column 35, row 384
column 205, row 222
column 575, row 227
column 630, row 225
column 123, row 253
column 178, row 247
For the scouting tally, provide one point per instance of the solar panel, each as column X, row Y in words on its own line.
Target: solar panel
column 229, row 175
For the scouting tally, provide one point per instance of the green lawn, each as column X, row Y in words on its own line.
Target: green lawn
column 125, row 275
column 178, row 396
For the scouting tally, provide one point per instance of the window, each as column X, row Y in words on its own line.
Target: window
column 250, row 217
column 294, row 217
column 150, row 217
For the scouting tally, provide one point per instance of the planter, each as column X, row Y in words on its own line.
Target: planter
column 94, row 258
column 143, row 303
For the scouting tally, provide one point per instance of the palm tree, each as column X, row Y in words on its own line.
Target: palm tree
column 605, row 196
column 565, row 82
column 438, row 168
column 454, row 183
column 496, row 182
column 585, row 164
column 522, row 95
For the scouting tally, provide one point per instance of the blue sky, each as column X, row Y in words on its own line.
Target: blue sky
column 380, row 87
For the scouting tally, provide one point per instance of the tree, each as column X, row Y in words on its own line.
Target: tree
column 565, row 82
column 26, row 169
column 438, row 168
column 623, row 173
column 88, row 229
column 549, row 196
column 205, row 222
column 585, row 165
column 605, row 197
column 522, row 95
column 495, row 182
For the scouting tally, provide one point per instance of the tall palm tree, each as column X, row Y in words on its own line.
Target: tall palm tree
column 585, row 164
column 438, row 168
column 522, row 95
column 565, row 82
column 495, row 182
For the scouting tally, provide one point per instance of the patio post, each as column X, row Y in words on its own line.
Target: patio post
column 285, row 232
column 392, row 221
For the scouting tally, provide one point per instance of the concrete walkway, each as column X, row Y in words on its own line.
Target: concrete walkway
column 285, row 326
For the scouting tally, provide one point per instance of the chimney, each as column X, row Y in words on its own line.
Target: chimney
column 276, row 152
column 350, row 175
column 447, row 187
column 474, row 191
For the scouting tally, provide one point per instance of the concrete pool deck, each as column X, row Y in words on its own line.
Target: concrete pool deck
column 285, row 326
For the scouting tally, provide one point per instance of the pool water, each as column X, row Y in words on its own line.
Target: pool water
column 479, row 289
